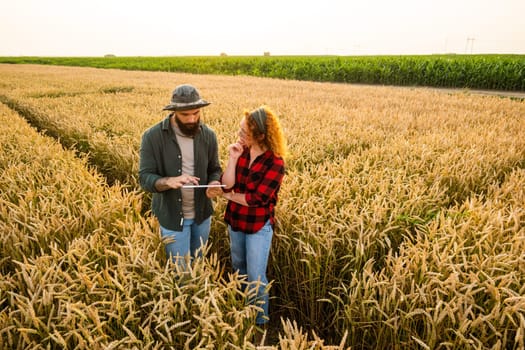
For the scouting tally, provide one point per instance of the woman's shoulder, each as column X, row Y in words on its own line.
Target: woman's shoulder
column 275, row 159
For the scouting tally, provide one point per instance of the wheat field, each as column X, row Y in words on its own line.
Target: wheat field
column 401, row 219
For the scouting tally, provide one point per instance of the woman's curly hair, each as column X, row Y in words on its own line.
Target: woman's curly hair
column 274, row 137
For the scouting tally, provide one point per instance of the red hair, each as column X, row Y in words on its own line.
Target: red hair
column 274, row 138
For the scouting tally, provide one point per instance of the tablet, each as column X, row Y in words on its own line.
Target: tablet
column 202, row 186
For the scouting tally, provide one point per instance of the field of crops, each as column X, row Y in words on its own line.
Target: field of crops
column 493, row 72
column 401, row 221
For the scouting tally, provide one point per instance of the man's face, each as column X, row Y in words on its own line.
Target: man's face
column 188, row 121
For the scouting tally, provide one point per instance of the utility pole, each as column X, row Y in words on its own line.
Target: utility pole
column 470, row 41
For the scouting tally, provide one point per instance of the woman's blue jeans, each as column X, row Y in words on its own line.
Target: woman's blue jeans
column 180, row 244
column 249, row 254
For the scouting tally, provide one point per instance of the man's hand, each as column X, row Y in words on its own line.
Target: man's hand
column 175, row 182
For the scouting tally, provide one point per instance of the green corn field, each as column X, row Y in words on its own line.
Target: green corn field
column 494, row 72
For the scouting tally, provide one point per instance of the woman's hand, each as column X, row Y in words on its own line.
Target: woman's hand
column 228, row 178
column 235, row 150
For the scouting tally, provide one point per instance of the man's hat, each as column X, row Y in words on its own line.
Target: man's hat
column 185, row 97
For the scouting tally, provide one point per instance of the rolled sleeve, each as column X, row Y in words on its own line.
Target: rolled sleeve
column 214, row 165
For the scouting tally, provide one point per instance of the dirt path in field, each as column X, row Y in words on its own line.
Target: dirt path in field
column 517, row 95
column 511, row 94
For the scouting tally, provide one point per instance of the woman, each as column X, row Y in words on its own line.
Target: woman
column 252, row 179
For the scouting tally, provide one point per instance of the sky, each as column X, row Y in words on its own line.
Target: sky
column 243, row 27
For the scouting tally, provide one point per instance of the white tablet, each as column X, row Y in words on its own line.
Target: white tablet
column 202, row 186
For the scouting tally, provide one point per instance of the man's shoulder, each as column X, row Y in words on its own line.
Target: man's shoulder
column 206, row 128
column 207, row 132
column 158, row 127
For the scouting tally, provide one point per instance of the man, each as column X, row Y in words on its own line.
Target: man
column 178, row 152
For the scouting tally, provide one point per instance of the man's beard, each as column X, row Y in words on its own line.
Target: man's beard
column 189, row 129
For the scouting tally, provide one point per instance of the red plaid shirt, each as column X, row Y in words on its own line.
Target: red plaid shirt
column 260, row 183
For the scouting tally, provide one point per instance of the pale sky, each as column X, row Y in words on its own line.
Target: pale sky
column 237, row 27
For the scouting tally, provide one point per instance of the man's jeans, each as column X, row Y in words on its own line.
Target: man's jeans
column 180, row 244
column 249, row 254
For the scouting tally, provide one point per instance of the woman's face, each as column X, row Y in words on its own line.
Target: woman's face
column 245, row 135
